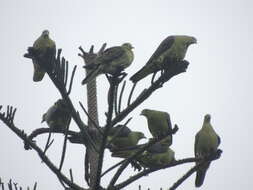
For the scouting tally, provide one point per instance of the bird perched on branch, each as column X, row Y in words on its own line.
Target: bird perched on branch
column 206, row 143
column 121, row 130
column 57, row 116
column 112, row 61
column 41, row 47
column 159, row 125
column 122, row 137
column 155, row 156
column 157, row 159
column 172, row 49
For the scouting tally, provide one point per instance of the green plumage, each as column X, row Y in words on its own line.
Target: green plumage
column 130, row 140
column 172, row 49
column 57, row 116
column 41, row 45
column 113, row 60
column 206, row 143
column 159, row 124
column 157, row 159
column 120, row 130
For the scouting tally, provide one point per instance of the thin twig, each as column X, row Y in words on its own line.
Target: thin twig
column 40, row 131
column 48, row 142
column 35, row 186
column 66, row 74
column 10, row 182
column 15, row 185
column 185, row 176
column 121, row 94
column 71, row 80
column 71, row 175
column 112, row 167
column 131, row 94
column 64, row 145
column 153, row 78
column 62, row 73
column 116, row 101
column 45, row 159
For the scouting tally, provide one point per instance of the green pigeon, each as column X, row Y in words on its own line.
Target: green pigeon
column 124, row 153
column 57, row 116
column 172, row 49
column 153, row 159
column 130, row 140
column 111, row 61
column 206, row 143
column 158, row 147
column 121, row 130
column 157, row 155
column 159, row 124
column 41, row 45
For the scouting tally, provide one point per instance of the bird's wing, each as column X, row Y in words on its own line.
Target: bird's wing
column 157, row 148
column 165, row 45
column 111, row 54
column 196, row 144
column 219, row 140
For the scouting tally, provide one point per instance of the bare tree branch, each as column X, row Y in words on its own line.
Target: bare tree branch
column 121, row 94
column 43, row 157
column 175, row 163
column 178, row 68
column 64, row 146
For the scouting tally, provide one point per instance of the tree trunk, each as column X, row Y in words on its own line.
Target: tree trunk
column 93, row 113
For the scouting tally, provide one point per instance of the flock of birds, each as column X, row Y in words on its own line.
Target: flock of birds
column 114, row 60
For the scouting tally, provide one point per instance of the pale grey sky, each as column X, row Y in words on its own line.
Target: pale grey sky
column 218, row 80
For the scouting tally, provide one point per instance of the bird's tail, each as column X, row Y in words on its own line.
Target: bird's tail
column 145, row 71
column 122, row 154
column 200, row 175
column 91, row 75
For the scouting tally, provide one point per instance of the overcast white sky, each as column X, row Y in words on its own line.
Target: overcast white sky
column 218, row 80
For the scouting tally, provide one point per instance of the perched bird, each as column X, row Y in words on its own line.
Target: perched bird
column 159, row 124
column 128, row 151
column 206, row 143
column 111, row 61
column 57, row 116
column 130, row 140
column 153, row 159
column 121, row 130
column 41, row 46
column 125, row 153
column 172, row 49
column 158, row 147
column 155, row 156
